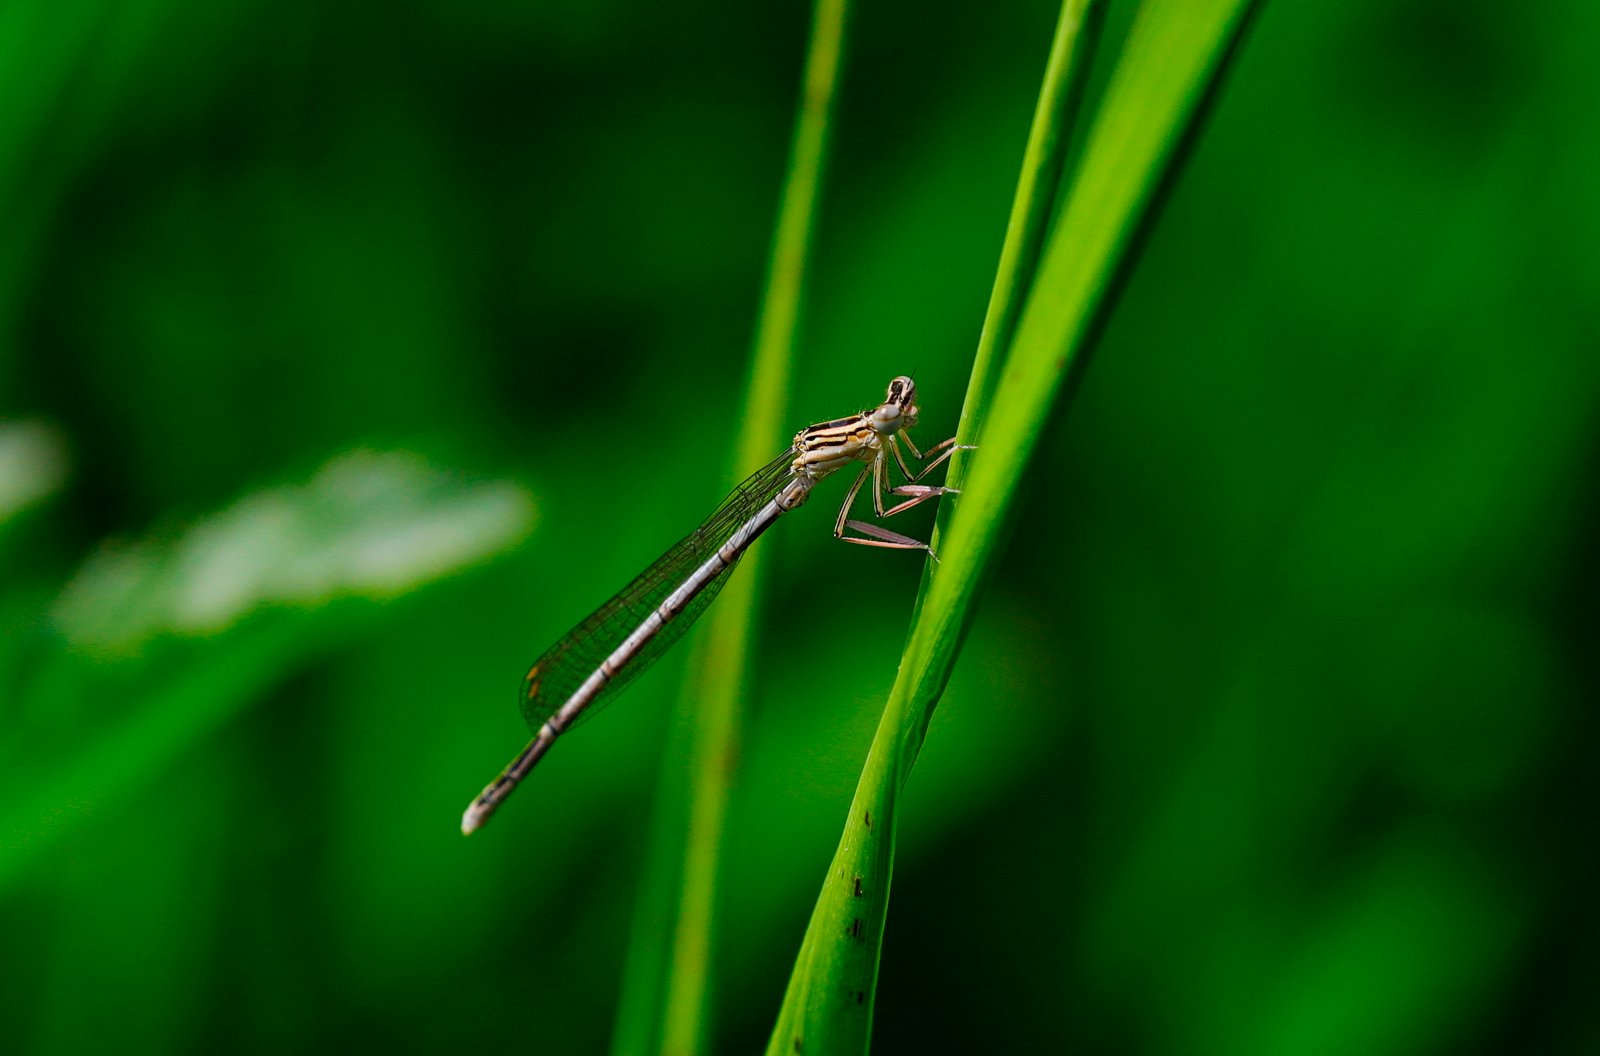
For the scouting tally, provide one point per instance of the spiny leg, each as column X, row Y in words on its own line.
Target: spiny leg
column 945, row 448
column 849, row 500
column 871, row 534
column 920, row 493
column 883, row 537
column 916, row 494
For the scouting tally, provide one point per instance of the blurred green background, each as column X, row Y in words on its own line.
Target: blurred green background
column 349, row 354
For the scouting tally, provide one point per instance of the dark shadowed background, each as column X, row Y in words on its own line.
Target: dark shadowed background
column 350, row 353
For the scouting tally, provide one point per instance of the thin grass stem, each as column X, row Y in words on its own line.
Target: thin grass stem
column 668, row 981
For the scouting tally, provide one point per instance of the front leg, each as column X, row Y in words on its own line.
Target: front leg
column 918, row 493
column 945, row 448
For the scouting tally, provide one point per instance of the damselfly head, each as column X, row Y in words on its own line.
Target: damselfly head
column 899, row 408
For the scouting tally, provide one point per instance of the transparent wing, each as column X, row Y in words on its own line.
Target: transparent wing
column 556, row 675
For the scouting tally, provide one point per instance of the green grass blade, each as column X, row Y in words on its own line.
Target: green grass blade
column 667, row 983
column 1174, row 54
column 1043, row 160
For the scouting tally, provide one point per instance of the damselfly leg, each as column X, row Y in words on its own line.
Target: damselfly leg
column 870, row 534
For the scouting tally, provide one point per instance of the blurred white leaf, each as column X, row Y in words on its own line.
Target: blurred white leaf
column 33, row 464
column 369, row 524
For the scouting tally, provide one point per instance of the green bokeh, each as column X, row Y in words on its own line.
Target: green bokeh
column 1273, row 735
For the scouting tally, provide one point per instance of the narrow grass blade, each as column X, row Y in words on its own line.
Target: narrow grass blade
column 667, row 984
column 1043, row 161
column 1174, row 55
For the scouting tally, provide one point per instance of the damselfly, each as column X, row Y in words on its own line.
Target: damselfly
column 595, row 660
